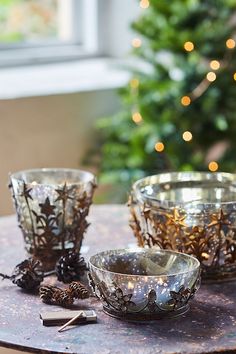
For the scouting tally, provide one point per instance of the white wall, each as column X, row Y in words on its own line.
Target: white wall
column 52, row 131
column 115, row 21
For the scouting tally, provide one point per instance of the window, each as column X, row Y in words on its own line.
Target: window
column 47, row 30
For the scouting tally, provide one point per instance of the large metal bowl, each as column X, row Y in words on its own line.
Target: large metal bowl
column 190, row 212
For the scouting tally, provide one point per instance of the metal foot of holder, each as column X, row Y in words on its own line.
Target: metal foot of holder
column 145, row 317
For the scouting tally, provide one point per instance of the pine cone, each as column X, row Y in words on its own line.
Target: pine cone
column 63, row 298
column 70, row 267
column 47, row 292
column 55, row 296
column 78, row 290
column 28, row 274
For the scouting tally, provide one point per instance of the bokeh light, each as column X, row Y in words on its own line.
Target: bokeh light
column 211, row 76
column 137, row 118
column 185, row 100
column 134, row 83
column 188, row 46
column 230, row 43
column 159, row 146
column 215, row 64
column 144, row 4
column 136, row 42
column 187, row 136
column 213, row 166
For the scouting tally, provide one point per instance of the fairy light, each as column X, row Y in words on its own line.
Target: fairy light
column 185, row 100
column 215, row 64
column 187, row 136
column 137, row 118
column 188, row 46
column 159, row 146
column 134, row 83
column 230, row 43
column 211, row 76
column 213, row 166
column 144, row 4
column 136, row 42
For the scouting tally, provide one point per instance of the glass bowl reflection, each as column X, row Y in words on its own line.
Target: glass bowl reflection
column 144, row 284
column 190, row 212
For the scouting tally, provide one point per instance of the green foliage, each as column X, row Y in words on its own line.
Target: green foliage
column 168, row 73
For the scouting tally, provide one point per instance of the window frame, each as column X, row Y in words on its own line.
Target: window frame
column 82, row 17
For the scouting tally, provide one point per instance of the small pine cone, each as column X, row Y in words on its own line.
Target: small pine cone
column 63, row 298
column 28, row 274
column 78, row 290
column 70, row 267
column 47, row 292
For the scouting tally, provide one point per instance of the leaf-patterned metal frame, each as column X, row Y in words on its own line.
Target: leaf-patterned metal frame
column 47, row 240
column 213, row 244
column 120, row 305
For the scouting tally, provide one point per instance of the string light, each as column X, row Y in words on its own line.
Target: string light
column 144, row 4
column 230, row 43
column 188, row 46
column 187, row 136
column 137, row 118
column 159, row 146
column 213, row 166
column 215, row 64
column 211, row 76
column 136, row 42
column 134, row 83
column 185, row 100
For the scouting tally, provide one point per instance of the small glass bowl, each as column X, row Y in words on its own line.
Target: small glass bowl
column 144, row 284
column 52, row 206
column 190, row 212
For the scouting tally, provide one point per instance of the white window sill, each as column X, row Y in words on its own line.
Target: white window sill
column 63, row 78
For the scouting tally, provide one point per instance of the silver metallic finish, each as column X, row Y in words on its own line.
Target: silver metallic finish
column 51, row 206
column 191, row 212
column 144, row 284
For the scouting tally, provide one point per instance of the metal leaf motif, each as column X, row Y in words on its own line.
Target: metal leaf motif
column 64, row 194
column 122, row 303
column 152, row 296
column 51, row 224
column 212, row 242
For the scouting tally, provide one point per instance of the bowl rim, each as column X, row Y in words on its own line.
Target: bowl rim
column 143, row 250
column 186, row 176
column 88, row 176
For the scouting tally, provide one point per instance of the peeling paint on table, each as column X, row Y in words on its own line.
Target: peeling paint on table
column 209, row 326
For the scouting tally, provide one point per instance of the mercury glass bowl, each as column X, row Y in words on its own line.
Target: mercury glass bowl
column 144, row 284
column 52, row 206
column 190, row 212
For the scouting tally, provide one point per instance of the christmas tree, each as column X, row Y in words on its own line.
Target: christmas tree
column 179, row 108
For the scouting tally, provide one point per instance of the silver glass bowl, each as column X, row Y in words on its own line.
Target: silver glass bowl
column 144, row 284
column 190, row 212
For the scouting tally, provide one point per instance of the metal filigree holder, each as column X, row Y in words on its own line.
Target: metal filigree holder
column 51, row 213
column 144, row 285
column 119, row 305
column 132, row 317
column 207, row 232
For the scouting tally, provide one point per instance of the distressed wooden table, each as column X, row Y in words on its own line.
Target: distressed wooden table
column 209, row 327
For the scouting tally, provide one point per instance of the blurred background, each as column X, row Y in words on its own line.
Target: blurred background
column 59, row 72
column 121, row 88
